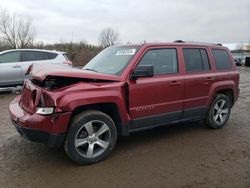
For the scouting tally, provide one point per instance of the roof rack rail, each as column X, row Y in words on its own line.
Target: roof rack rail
column 195, row 42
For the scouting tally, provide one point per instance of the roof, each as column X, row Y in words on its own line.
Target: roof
column 176, row 43
column 30, row 49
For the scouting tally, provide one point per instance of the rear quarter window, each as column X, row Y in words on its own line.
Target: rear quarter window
column 221, row 58
column 51, row 55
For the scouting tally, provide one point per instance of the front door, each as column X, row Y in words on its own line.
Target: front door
column 10, row 69
column 158, row 99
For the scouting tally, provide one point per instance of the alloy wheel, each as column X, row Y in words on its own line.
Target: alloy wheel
column 221, row 111
column 92, row 139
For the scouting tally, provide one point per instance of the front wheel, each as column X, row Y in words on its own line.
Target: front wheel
column 219, row 112
column 91, row 137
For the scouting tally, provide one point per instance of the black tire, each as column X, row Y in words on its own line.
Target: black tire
column 213, row 117
column 79, row 133
column 247, row 61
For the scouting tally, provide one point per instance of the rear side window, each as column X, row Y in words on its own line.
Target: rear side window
column 10, row 57
column 222, row 60
column 164, row 61
column 51, row 55
column 196, row 60
column 34, row 56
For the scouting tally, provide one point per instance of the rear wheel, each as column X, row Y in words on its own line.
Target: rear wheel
column 91, row 137
column 219, row 112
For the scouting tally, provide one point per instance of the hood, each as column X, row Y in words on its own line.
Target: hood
column 41, row 72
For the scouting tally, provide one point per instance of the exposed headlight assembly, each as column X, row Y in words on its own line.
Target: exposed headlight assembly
column 44, row 110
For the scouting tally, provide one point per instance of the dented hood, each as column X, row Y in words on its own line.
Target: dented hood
column 41, row 72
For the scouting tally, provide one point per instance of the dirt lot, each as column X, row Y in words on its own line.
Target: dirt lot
column 183, row 155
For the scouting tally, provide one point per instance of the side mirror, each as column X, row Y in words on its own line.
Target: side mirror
column 142, row 71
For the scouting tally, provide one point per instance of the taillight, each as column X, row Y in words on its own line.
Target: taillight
column 68, row 63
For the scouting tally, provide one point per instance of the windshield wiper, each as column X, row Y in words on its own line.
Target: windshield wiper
column 91, row 70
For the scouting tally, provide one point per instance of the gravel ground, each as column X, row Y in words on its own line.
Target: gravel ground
column 182, row 155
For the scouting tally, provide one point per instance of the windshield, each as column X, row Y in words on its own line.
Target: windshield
column 112, row 60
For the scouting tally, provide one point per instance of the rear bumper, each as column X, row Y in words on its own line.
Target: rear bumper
column 50, row 129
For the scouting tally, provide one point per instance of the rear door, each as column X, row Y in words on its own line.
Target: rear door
column 158, row 99
column 198, row 80
column 10, row 69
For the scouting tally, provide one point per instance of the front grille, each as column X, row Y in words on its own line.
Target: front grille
column 28, row 98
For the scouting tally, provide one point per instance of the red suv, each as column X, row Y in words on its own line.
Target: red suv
column 125, row 89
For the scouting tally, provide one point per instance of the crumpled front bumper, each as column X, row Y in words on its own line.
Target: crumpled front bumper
column 49, row 129
column 51, row 140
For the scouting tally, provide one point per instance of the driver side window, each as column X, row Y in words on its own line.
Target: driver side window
column 164, row 61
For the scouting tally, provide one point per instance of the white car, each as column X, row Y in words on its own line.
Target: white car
column 14, row 63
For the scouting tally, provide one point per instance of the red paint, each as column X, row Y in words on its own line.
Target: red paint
column 134, row 98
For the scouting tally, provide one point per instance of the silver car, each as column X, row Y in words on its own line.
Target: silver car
column 14, row 63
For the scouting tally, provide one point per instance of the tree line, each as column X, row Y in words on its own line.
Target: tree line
column 18, row 32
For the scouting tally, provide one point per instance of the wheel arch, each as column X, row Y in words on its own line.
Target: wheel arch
column 227, row 92
column 109, row 108
column 226, row 87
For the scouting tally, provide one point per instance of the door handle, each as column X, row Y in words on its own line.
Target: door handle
column 16, row 66
column 174, row 83
column 209, row 79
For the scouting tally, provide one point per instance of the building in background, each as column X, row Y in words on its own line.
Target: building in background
column 241, row 54
column 239, row 50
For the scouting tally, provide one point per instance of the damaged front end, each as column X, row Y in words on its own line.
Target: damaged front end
column 43, row 110
column 41, row 92
column 54, row 83
column 36, row 100
column 35, row 117
column 36, row 96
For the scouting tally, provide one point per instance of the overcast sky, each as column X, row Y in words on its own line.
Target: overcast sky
column 222, row 21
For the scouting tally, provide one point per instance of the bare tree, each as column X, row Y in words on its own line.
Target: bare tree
column 248, row 46
column 239, row 46
column 108, row 37
column 17, row 32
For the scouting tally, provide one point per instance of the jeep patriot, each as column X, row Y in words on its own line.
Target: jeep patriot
column 125, row 89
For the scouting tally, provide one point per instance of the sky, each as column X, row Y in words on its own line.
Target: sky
column 216, row 21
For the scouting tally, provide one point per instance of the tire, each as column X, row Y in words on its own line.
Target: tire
column 247, row 61
column 219, row 112
column 91, row 137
